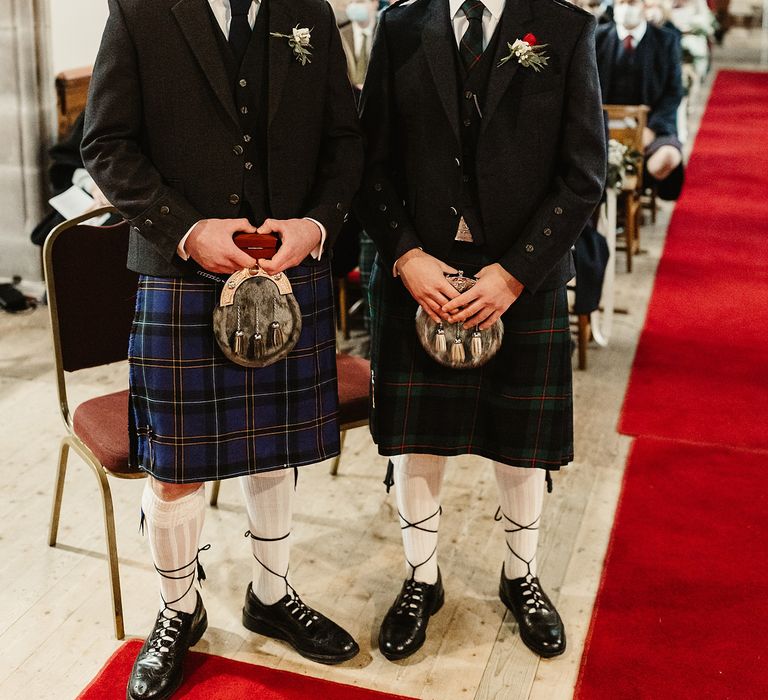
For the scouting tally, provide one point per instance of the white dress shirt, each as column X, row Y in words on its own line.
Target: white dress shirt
column 637, row 33
column 362, row 36
column 491, row 17
column 222, row 10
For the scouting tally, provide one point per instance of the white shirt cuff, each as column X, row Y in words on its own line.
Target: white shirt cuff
column 180, row 249
column 317, row 253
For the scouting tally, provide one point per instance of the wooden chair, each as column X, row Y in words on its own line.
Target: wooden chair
column 626, row 124
column 91, row 298
column 354, row 382
column 71, row 95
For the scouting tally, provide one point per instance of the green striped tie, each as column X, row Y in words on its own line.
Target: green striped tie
column 471, row 47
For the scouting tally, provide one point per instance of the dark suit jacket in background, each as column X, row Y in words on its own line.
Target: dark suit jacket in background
column 541, row 156
column 662, row 87
column 161, row 124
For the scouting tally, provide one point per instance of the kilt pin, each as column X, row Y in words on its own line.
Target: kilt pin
column 197, row 416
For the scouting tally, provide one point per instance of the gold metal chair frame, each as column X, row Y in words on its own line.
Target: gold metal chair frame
column 72, row 441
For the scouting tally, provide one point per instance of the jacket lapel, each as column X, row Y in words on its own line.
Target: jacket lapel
column 195, row 23
column 281, row 21
column 513, row 25
column 439, row 44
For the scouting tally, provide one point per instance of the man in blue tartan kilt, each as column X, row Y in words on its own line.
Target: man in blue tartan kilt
column 486, row 156
column 207, row 118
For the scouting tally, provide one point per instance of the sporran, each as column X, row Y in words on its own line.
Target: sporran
column 450, row 344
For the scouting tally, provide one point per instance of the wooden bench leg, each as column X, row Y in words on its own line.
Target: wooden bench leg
column 584, row 334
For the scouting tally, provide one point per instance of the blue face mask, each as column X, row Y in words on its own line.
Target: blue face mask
column 358, row 12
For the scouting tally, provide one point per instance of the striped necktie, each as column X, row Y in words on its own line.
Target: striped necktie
column 471, row 47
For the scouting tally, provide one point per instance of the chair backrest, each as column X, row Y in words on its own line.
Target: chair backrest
column 626, row 124
column 71, row 94
column 91, row 293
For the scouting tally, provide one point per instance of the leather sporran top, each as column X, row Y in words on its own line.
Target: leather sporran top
column 450, row 344
column 258, row 320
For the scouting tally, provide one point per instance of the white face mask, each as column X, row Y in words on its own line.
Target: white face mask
column 358, row 12
column 655, row 15
column 628, row 16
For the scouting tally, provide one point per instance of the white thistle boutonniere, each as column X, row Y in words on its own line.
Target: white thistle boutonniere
column 299, row 40
column 528, row 52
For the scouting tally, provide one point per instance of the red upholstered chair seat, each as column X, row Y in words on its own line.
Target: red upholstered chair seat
column 354, row 382
column 102, row 424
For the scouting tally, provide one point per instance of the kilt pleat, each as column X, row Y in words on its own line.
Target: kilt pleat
column 517, row 409
column 196, row 416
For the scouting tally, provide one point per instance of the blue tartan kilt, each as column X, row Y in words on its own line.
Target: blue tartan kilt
column 195, row 416
column 517, row 409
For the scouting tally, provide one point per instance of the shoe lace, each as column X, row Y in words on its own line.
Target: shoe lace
column 412, row 596
column 300, row 610
column 165, row 635
column 532, row 592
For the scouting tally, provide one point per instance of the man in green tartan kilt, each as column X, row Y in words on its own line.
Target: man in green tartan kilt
column 486, row 156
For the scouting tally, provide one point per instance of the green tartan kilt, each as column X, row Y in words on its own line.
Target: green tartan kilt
column 517, row 409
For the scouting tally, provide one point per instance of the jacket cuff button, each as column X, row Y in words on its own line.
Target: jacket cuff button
column 558, row 210
column 528, row 248
column 393, row 224
column 547, row 231
column 148, row 222
column 378, row 187
column 165, row 210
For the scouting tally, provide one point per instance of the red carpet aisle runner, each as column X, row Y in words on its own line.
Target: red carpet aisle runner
column 701, row 369
column 682, row 608
column 210, row 677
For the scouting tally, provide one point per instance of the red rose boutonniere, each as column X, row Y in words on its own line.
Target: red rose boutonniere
column 528, row 52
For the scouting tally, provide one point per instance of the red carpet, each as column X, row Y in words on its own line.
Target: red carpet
column 682, row 607
column 216, row 678
column 701, row 369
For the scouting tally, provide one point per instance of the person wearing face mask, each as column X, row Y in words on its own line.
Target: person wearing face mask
column 658, row 12
column 357, row 37
column 640, row 63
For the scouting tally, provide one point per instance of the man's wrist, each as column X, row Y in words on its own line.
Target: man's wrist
column 181, row 249
column 412, row 253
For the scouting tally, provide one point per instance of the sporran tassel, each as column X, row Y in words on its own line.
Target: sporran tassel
column 238, row 344
column 440, row 343
column 257, row 346
column 275, row 335
column 275, row 332
column 476, row 344
column 457, row 351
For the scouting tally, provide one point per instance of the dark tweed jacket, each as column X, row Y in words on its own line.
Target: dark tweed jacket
column 541, row 156
column 161, row 127
column 662, row 84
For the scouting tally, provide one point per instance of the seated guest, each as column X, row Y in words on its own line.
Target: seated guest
column 696, row 22
column 357, row 38
column 67, row 169
column 639, row 63
column 658, row 13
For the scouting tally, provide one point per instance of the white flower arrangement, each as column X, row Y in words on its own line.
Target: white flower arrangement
column 621, row 162
column 528, row 52
column 300, row 40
